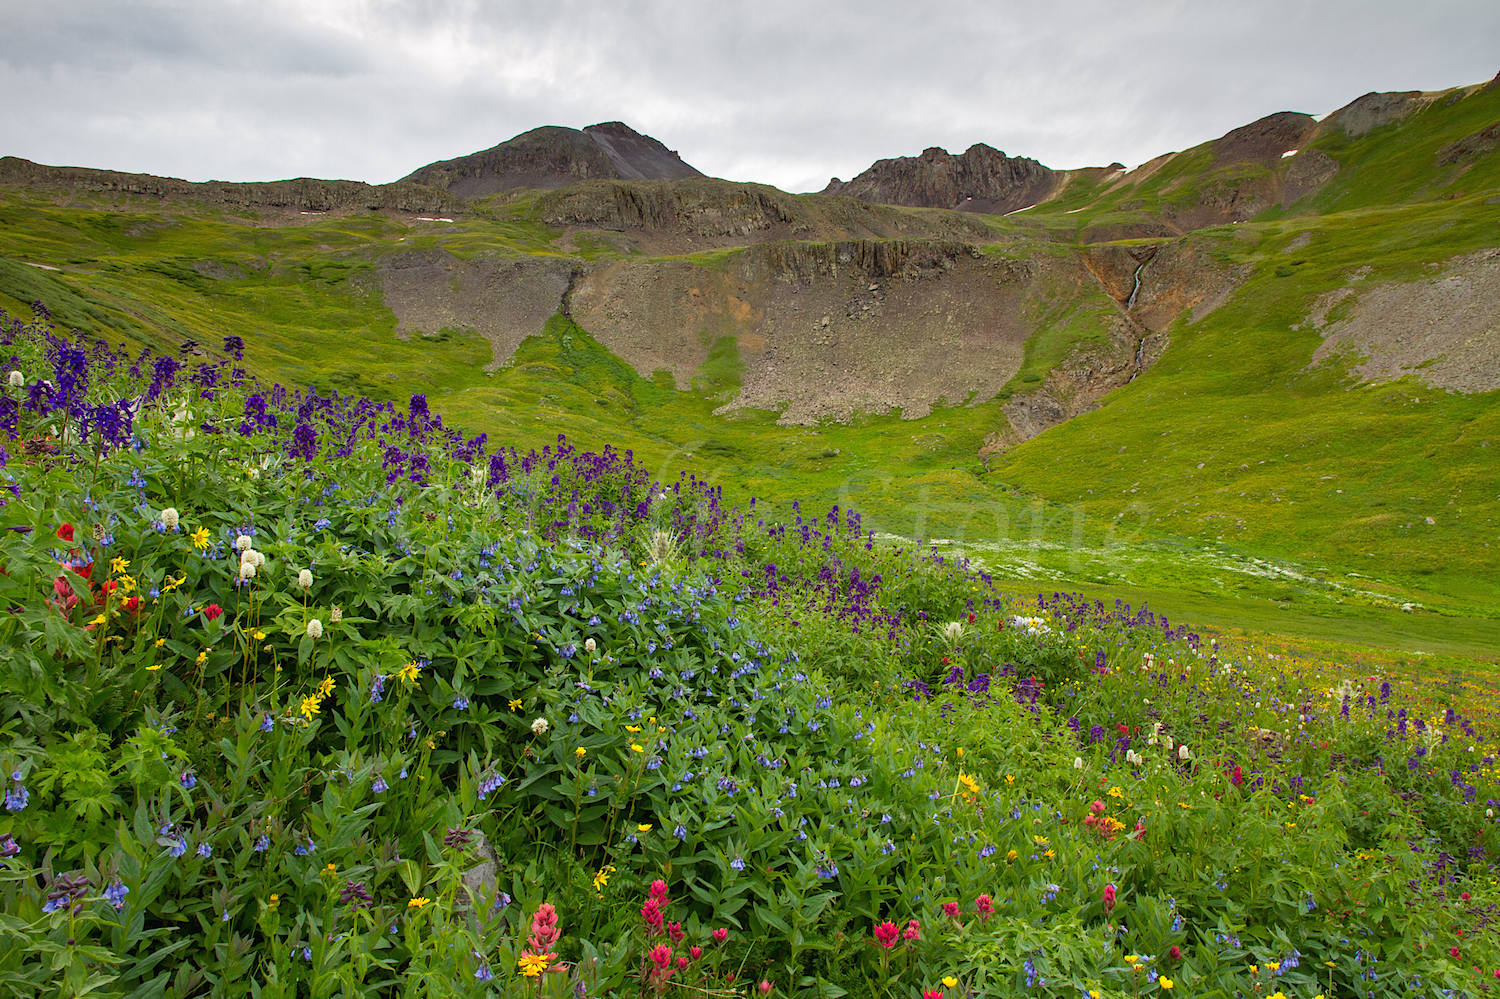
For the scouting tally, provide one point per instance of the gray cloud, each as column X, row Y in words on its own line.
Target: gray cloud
column 781, row 92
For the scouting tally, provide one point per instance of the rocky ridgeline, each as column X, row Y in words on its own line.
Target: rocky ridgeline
column 982, row 179
column 304, row 193
column 553, row 156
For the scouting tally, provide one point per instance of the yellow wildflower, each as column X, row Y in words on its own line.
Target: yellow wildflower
column 969, row 783
column 602, row 878
column 1012, row 855
column 202, row 657
column 410, row 672
column 1115, row 792
column 127, row 584
column 515, row 704
column 160, row 642
column 325, row 686
column 580, row 752
column 310, row 707
column 1049, row 854
column 153, row 669
column 632, row 728
column 259, row 636
column 635, row 747
column 417, row 902
column 532, row 965
column 950, row 981
column 1131, row 958
column 1010, row 779
column 1039, row 840
column 199, row 538
column 118, row 565
column 644, row 827
column 1165, row 983
column 99, row 620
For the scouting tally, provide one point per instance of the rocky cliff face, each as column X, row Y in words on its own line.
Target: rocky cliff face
column 304, row 193
column 552, row 156
column 684, row 216
column 982, row 179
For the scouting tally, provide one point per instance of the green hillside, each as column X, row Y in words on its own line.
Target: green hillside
column 1238, row 477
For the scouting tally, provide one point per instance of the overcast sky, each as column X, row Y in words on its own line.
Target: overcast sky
column 787, row 93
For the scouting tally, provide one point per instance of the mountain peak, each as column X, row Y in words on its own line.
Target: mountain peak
column 553, row 156
column 981, row 179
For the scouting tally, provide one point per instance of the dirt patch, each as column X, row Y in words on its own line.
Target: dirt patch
column 1445, row 330
column 503, row 300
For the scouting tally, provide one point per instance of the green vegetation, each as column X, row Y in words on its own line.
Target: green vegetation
column 1308, row 515
column 312, row 697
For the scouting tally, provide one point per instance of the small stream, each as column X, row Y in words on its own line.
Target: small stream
column 1137, row 289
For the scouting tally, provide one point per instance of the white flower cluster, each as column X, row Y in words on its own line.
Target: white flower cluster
column 250, row 559
column 169, row 518
column 1033, row 626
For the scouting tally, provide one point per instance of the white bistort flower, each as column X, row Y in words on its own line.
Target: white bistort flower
column 589, row 645
column 247, row 570
column 17, row 380
column 243, row 543
column 169, row 518
column 539, row 727
column 304, row 579
column 315, row 629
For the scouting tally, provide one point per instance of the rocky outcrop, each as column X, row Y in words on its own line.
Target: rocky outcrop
column 658, row 218
column 1307, row 173
column 303, row 193
column 1470, row 147
column 1152, row 287
column 982, row 179
column 503, row 299
column 1265, row 140
column 826, row 330
column 1373, row 110
column 552, row 157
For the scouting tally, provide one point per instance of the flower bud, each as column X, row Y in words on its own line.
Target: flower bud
column 304, row 579
column 315, row 629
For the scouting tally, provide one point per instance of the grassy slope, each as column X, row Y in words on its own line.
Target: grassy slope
column 1113, row 501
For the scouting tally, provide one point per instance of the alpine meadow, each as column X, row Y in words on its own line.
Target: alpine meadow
column 563, row 574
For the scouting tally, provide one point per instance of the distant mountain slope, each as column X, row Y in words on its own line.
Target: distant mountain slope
column 981, row 179
column 303, row 193
column 553, row 156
